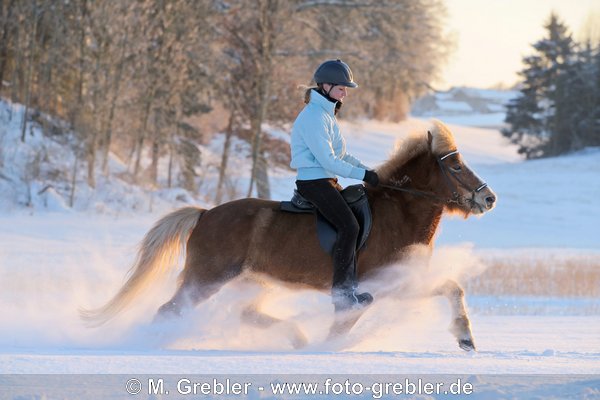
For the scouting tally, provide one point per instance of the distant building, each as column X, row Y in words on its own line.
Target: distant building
column 461, row 101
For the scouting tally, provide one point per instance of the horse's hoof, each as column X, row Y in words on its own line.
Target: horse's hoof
column 167, row 311
column 467, row 345
column 299, row 342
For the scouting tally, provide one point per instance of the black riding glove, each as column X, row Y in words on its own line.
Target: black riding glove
column 371, row 178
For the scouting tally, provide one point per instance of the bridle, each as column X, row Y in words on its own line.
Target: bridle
column 447, row 173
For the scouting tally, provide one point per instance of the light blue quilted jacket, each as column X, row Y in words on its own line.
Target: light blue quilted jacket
column 318, row 148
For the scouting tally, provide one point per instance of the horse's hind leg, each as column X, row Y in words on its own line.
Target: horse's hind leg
column 186, row 296
column 460, row 326
column 198, row 283
column 253, row 316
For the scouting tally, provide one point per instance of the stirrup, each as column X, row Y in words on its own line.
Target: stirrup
column 351, row 300
column 363, row 299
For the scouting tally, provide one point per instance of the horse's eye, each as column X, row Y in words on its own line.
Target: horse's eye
column 456, row 168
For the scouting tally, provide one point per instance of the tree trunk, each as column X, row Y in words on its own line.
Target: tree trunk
column 6, row 22
column 53, row 63
column 155, row 158
column 267, row 9
column 170, row 167
column 225, row 157
column 141, row 136
column 74, row 111
column 171, row 144
column 94, row 129
column 113, row 102
column 91, row 161
column 74, row 179
column 263, row 188
column 256, row 125
column 108, row 137
column 28, row 77
column 137, row 151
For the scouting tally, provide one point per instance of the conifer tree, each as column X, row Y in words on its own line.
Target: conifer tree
column 576, row 104
column 535, row 122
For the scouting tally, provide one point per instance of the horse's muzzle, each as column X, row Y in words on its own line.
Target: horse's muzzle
column 490, row 201
column 484, row 200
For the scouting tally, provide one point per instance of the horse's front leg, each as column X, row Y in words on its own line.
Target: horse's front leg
column 253, row 316
column 460, row 326
column 343, row 322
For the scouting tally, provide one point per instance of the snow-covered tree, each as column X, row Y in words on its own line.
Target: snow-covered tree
column 533, row 116
column 576, row 105
column 143, row 78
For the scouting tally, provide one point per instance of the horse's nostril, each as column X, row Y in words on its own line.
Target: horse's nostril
column 490, row 200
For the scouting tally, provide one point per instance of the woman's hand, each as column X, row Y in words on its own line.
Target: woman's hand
column 371, row 178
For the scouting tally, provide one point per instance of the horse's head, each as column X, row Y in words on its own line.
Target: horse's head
column 437, row 172
column 466, row 192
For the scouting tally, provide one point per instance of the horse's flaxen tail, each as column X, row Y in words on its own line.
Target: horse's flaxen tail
column 158, row 252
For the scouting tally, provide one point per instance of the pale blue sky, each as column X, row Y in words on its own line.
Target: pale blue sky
column 494, row 35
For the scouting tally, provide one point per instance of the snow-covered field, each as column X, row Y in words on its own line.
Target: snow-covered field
column 53, row 263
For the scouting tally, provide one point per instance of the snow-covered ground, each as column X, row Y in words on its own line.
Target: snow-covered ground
column 53, row 263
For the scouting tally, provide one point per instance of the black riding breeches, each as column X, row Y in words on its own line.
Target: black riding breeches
column 326, row 197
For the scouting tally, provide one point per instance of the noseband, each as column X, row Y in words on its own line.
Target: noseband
column 448, row 174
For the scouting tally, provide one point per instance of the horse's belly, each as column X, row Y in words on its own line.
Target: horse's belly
column 286, row 247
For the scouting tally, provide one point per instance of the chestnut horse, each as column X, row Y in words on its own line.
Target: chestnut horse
column 426, row 177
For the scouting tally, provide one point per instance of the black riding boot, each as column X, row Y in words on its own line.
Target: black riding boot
column 325, row 195
column 351, row 300
column 345, row 284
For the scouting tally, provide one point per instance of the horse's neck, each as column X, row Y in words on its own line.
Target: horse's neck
column 414, row 218
column 425, row 213
column 404, row 219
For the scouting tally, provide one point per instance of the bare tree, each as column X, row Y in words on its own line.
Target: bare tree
column 396, row 47
column 249, row 40
column 225, row 155
column 35, row 12
column 115, row 89
column 7, row 27
column 131, row 76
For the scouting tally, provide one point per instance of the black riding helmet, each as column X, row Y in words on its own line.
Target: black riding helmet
column 335, row 72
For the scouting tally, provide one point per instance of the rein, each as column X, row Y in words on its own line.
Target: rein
column 446, row 172
column 397, row 186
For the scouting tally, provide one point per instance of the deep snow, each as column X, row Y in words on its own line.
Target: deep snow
column 54, row 262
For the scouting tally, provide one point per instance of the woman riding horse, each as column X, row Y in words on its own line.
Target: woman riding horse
column 319, row 154
column 247, row 238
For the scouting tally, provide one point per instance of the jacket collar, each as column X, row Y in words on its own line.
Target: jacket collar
column 320, row 100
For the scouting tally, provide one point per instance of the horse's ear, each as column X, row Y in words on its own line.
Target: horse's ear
column 429, row 140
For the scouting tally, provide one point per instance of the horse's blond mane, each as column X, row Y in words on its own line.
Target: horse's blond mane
column 443, row 139
column 417, row 143
column 414, row 145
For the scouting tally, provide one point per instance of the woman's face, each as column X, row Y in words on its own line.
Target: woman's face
column 338, row 92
